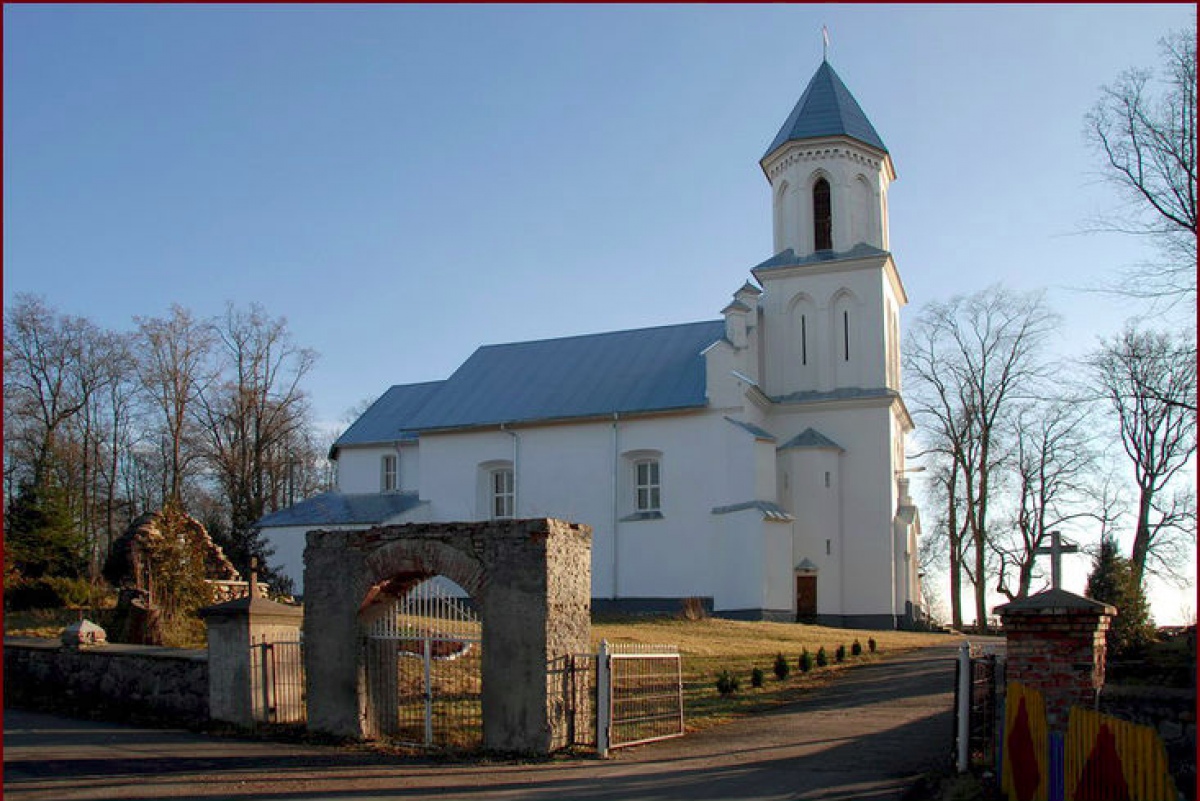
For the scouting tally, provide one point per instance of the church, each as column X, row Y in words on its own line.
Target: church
column 754, row 461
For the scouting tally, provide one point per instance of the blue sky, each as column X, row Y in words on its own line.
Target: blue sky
column 406, row 183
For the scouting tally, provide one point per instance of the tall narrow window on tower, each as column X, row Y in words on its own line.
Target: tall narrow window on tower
column 846, row 335
column 822, row 216
column 803, row 341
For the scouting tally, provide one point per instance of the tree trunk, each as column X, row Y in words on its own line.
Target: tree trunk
column 1141, row 539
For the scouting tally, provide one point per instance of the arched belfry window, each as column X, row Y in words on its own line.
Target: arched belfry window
column 822, row 216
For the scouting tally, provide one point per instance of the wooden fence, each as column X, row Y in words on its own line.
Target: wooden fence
column 1101, row 758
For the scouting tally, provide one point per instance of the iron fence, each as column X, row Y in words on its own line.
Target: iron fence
column 422, row 657
column 577, row 693
column 277, row 682
column 979, row 707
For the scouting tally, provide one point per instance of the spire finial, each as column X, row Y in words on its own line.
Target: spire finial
column 825, row 40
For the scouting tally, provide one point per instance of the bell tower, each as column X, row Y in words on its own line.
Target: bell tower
column 829, row 173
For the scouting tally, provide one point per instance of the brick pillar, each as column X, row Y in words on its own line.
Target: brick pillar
column 1056, row 646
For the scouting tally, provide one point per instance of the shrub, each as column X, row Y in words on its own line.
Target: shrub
column 806, row 661
column 871, row 644
column 693, row 609
column 840, row 655
column 822, row 659
column 756, row 677
column 47, row 592
column 1111, row 581
column 727, row 683
column 856, row 649
column 782, row 668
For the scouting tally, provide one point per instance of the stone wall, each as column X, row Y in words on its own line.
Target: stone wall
column 138, row 682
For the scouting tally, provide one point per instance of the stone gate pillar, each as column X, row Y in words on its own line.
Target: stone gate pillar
column 1056, row 645
column 233, row 627
column 530, row 579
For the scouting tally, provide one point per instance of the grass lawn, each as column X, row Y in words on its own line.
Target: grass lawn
column 712, row 645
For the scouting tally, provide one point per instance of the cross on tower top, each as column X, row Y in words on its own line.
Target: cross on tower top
column 1056, row 549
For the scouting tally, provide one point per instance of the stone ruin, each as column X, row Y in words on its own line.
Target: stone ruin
column 137, row 618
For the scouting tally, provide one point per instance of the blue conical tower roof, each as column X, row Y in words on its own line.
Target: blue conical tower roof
column 827, row 109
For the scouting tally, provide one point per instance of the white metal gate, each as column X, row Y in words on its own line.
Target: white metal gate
column 422, row 661
column 639, row 694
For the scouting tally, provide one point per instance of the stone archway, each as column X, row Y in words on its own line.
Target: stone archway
column 531, row 580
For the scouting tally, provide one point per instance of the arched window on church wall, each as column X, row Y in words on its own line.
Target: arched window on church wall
column 822, row 216
column 783, row 203
column 845, row 337
column 805, row 343
column 862, row 217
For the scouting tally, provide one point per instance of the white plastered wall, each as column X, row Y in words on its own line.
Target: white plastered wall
column 580, row 472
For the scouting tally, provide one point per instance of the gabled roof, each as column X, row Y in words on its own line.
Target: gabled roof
column 641, row 370
column 336, row 508
column 827, row 109
column 382, row 420
column 810, row 438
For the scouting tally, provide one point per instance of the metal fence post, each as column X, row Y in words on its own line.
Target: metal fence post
column 1001, row 684
column 964, row 707
column 427, row 662
column 603, row 699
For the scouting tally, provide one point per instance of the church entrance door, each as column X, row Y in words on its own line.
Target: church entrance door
column 806, row 597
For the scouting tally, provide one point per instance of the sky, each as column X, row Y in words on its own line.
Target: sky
column 406, row 183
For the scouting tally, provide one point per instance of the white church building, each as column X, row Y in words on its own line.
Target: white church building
column 755, row 461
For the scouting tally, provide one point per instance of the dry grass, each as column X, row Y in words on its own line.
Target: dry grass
column 185, row 632
column 734, row 638
column 45, row 623
column 712, row 645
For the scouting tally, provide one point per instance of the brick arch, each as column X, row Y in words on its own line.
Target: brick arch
column 531, row 580
column 407, row 562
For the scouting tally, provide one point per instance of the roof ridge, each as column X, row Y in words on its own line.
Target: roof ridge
column 599, row 334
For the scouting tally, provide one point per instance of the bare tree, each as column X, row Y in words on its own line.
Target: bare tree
column 1149, row 379
column 970, row 360
column 175, row 367
column 1058, row 482
column 42, row 352
column 1147, row 139
column 256, row 421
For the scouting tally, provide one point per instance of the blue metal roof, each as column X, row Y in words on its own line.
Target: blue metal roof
column 383, row 419
column 641, row 370
column 758, row 433
column 827, row 109
column 788, row 257
column 810, row 438
column 842, row 393
column 770, row 511
column 335, row 508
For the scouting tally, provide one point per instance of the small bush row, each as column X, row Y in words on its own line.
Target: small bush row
column 728, row 683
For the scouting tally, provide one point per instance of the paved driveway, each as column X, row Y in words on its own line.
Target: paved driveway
column 867, row 737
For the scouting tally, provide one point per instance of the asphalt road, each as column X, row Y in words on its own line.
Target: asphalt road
column 868, row 736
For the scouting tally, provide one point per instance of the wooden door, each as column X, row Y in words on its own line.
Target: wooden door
column 806, row 597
